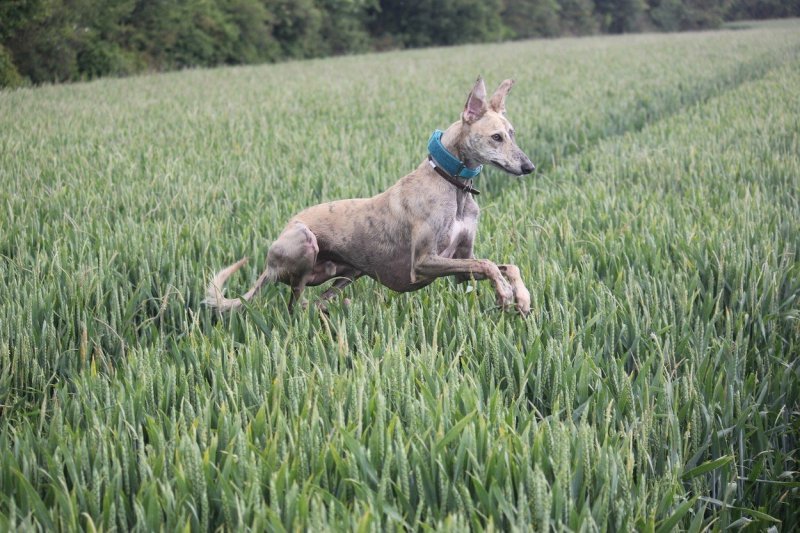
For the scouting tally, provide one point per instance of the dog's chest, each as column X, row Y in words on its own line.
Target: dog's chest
column 460, row 230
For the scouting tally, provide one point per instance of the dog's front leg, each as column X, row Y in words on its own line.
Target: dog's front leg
column 435, row 266
column 521, row 294
column 510, row 272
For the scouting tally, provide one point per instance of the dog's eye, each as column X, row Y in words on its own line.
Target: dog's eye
column 497, row 137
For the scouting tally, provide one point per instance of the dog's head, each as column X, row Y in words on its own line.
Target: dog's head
column 488, row 136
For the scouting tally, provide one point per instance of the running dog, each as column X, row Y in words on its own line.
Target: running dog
column 420, row 229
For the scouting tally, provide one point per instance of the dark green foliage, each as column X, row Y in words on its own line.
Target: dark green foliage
column 250, row 25
column 18, row 15
column 417, row 23
column 679, row 15
column 61, row 40
column 184, row 33
column 667, row 14
column 344, row 26
column 577, row 17
column 620, row 16
column 9, row 77
column 532, row 18
column 42, row 41
column 763, row 9
column 65, row 40
column 296, row 27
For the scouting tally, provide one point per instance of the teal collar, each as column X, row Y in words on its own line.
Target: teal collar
column 447, row 161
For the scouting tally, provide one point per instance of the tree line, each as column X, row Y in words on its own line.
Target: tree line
column 66, row 40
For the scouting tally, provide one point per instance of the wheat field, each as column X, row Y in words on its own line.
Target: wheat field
column 655, row 386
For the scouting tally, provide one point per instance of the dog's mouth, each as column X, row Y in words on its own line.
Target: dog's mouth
column 504, row 168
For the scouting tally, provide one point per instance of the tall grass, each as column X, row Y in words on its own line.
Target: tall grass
column 655, row 385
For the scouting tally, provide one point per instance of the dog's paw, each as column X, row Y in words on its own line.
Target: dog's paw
column 505, row 294
column 523, row 301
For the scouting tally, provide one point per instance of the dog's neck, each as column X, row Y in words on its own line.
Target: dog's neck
column 453, row 140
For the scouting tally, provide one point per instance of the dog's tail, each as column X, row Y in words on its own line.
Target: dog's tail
column 214, row 297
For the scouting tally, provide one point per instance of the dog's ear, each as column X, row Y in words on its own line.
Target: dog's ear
column 498, row 101
column 476, row 103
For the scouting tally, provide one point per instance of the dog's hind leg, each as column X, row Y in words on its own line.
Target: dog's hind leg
column 292, row 257
column 290, row 260
column 345, row 275
column 336, row 287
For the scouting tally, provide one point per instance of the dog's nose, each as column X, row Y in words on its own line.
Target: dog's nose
column 527, row 167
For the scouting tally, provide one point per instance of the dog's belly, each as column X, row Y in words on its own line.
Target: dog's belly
column 396, row 274
column 388, row 264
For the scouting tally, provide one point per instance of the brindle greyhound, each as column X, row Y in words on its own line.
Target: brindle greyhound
column 420, row 229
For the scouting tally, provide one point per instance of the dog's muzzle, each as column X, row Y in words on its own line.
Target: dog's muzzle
column 527, row 167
